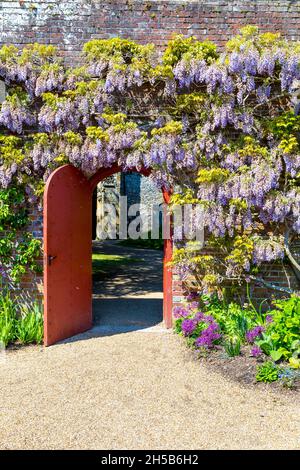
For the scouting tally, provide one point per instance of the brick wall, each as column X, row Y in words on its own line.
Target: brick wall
column 31, row 285
column 279, row 274
column 69, row 24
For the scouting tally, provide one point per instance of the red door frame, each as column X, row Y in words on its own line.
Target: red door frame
column 92, row 183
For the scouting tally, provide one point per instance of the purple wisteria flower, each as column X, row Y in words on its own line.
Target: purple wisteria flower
column 269, row 319
column 256, row 351
column 252, row 334
column 188, row 326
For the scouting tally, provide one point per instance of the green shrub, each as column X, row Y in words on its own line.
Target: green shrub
column 267, row 372
column 29, row 327
column 7, row 318
column 286, row 321
column 232, row 347
column 233, row 319
column 19, row 322
column 281, row 339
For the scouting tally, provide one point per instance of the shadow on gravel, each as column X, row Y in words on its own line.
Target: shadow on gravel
column 126, row 297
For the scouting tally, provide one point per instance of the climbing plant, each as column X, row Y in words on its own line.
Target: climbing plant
column 222, row 127
column 19, row 250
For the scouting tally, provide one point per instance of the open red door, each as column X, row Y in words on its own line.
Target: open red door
column 67, row 255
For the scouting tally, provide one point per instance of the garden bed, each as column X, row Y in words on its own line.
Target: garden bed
column 241, row 369
column 250, row 347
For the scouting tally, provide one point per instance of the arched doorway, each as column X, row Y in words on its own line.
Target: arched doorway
column 67, row 253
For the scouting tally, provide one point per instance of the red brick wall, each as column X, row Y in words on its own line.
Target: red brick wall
column 69, row 24
column 32, row 283
column 31, row 286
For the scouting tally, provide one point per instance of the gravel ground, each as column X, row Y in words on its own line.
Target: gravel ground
column 136, row 390
column 130, row 384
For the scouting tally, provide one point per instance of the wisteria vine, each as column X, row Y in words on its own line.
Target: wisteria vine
column 222, row 127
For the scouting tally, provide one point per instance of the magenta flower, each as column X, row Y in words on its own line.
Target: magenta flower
column 208, row 336
column 180, row 312
column 251, row 335
column 188, row 326
column 256, row 351
column 269, row 319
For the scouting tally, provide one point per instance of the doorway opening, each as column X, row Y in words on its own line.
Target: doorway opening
column 127, row 272
column 69, row 205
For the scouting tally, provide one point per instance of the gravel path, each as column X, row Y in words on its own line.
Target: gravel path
column 130, row 297
column 136, row 390
column 130, row 384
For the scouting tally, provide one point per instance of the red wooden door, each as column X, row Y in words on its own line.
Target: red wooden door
column 67, row 255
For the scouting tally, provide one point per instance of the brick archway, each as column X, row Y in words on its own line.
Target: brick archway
column 68, row 249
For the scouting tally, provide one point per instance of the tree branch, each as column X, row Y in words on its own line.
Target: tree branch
column 295, row 265
column 272, row 286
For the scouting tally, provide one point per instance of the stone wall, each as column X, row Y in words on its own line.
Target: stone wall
column 137, row 188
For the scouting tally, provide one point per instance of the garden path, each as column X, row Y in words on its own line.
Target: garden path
column 136, row 390
column 127, row 297
column 127, row 388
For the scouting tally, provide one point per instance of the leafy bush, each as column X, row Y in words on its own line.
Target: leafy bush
column 30, row 325
column 19, row 322
column 233, row 319
column 19, row 250
column 8, row 318
column 267, row 372
column 282, row 337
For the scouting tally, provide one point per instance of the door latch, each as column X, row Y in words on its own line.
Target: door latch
column 50, row 259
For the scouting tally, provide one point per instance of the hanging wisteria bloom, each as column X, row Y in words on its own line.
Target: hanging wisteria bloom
column 220, row 131
column 15, row 115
